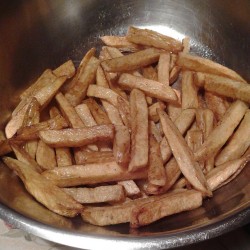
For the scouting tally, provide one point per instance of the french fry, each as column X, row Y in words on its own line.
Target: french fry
column 237, row 144
column 87, row 157
column 66, row 69
column 227, row 171
column 156, row 170
column 149, row 87
column 222, row 131
column 189, row 91
column 145, row 214
column 121, row 43
column 155, row 131
column 183, row 122
column 91, row 174
column 164, row 68
column 174, row 74
column 132, row 61
column 77, row 137
column 112, row 193
column 186, row 44
column 124, row 111
column 101, row 78
column 173, row 111
column 181, row 183
column 121, row 147
column 78, row 91
column 84, row 113
column 183, row 155
column 153, row 115
column 139, row 130
column 152, row 38
column 150, row 73
column 112, row 113
column 130, row 187
column 43, row 190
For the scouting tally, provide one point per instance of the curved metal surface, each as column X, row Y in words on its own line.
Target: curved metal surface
column 42, row 34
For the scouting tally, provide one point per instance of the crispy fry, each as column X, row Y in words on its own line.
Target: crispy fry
column 113, row 113
column 78, row 91
column 174, row 111
column 150, row 73
column 164, row 68
column 183, row 155
column 155, row 131
column 77, row 137
column 153, row 115
column 181, row 183
column 149, row 87
column 112, row 193
column 139, row 130
column 152, row 38
column 189, row 91
column 196, row 63
column 173, row 203
column 91, row 174
column 222, row 131
column 85, row 115
column 174, row 74
column 121, row 147
column 121, row 43
column 132, row 61
column 66, row 69
column 101, row 78
column 87, row 157
column 186, row 44
column 237, row 144
column 43, row 190
column 131, row 189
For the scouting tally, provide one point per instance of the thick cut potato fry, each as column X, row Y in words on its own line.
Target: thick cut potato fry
column 220, row 134
column 153, row 115
column 150, row 73
column 145, row 214
column 121, row 43
column 183, row 122
column 45, row 156
column 164, row 68
column 217, row 104
column 227, row 171
column 199, row 64
column 130, row 187
column 186, row 44
column 183, row 155
column 91, row 174
column 149, row 87
column 43, row 190
column 85, row 115
column 174, row 74
column 139, row 130
column 112, row 113
column 152, row 38
column 173, row 111
column 101, row 79
column 238, row 143
column 124, row 111
column 87, row 157
column 66, row 69
column 78, row 91
column 155, row 131
column 227, row 87
column 112, row 193
column 132, row 61
column 121, row 147
column 188, row 91
column 77, row 137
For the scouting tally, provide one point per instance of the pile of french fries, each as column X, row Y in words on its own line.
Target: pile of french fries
column 116, row 142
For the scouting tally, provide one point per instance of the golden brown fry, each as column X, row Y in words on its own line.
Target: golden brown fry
column 63, row 157
column 132, row 61
column 183, row 122
column 130, row 187
column 186, row 44
column 87, row 157
column 31, row 132
column 149, row 87
column 121, row 43
column 91, row 174
column 124, row 111
column 77, row 137
column 174, row 74
column 139, row 130
column 155, row 131
column 85, row 115
column 152, row 38
column 174, row 111
column 189, row 91
column 164, row 68
column 66, row 69
column 156, row 170
column 121, row 147
column 181, row 183
column 112, row 193
column 227, row 171
column 43, row 190
column 153, row 115
column 238, row 143
column 196, row 63
column 150, row 73
column 183, row 155
column 45, row 156
column 78, row 91
column 174, row 203
column 112, row 113
column 101, row 78
column 222, row 131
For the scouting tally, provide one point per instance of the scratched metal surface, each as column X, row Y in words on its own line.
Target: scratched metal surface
column 38, row 34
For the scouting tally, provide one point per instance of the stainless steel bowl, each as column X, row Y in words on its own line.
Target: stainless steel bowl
column 39, row 34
